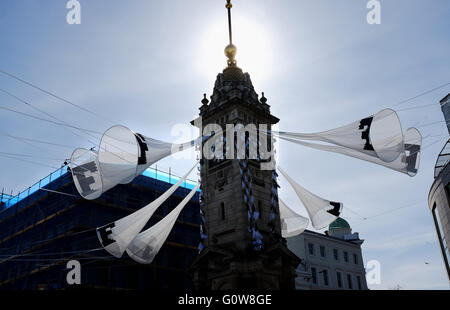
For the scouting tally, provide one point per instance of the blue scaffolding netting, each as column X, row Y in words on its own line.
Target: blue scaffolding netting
column 153, row 173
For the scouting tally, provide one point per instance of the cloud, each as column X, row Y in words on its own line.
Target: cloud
column 415, row 276
column 401, row 241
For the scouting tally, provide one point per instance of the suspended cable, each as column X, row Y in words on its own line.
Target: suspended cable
column 54, row 253
column 54, row 95
column 29, row 161
column 354, row 212
column 27, row 143
column 56, row 192
column 390, row 211
column 50, row 121
column 419, row 107
column 43, row 112
column 433, row 123
column 53, row 238
column 62, row 259
column 422, row 94
column 33, row 156
column 35, row 140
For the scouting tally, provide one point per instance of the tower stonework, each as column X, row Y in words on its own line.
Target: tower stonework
column 241, row 244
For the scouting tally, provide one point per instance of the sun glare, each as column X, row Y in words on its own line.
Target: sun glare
column 254, row 49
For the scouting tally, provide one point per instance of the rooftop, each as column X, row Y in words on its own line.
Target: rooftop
column 151, row 172
column 339, row 223
column 445, row 99
column 442, row 160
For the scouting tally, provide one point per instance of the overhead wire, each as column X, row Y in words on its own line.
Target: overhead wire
column 32, row 156
column 46, row 113
column 50, row 121
column 422, row 94
column 28, row 161
column 35, row 140
column 53, row 95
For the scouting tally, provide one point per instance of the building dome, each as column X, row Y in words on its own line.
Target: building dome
column 233, row 74
column 339, row 223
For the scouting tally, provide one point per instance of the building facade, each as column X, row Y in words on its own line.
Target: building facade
column 439, row 196
column 439, row 203
column 41, row 230
column 329, row 261
column 445, row 107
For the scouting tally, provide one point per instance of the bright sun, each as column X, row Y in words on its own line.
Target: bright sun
column 254, row 49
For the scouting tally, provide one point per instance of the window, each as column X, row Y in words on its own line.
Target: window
column 349, row 281
column 358, row 279
column 346, row 257
column 355, row 259
column 442, row 241
column 336, row 254
column 322, row 251
column 311, row 248
column 314, row 275
column 222, row 211
column 260, row 209
column 325, row 277
column 339, row 279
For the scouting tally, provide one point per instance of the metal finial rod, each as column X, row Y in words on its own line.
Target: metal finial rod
column 229, row 6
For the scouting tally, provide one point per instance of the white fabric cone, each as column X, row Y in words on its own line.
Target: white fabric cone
column 122, row 156
column 407, row 162
column 292, row 224
column 379, row 135
column 321, row 212
column 116, row 236
column 86, row 175
column 147, row 244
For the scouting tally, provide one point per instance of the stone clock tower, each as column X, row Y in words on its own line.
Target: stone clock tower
column 241, row 245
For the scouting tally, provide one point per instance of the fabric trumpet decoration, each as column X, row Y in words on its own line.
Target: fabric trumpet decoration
column 292, row 224
column 115, row 237
column 147, row 244
column 321, row 212
column 407, row 163
column 379, row 136
column 122, row 155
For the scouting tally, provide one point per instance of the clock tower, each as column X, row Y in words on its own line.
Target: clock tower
column 241, row 245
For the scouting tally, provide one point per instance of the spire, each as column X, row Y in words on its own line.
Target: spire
column 231, row 72
column 230, row 49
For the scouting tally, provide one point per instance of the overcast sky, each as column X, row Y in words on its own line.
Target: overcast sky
column 146, row 64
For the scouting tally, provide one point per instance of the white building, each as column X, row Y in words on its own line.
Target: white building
column 329, row 261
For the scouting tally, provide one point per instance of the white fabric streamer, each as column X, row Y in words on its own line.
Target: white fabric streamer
column 116, row 236
column 321, row 212
column 147, row 244
column 407, row 162
column 123, row 155
column 292, row 224
column 379, row 135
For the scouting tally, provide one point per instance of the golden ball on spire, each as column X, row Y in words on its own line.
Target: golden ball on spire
column 230, row 52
